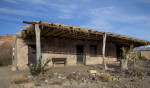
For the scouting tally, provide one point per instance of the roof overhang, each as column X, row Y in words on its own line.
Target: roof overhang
column 55, row 30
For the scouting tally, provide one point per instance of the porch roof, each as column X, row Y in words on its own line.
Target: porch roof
column 56, row 30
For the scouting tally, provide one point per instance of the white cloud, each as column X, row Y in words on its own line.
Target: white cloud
column 42, row 9
column 105, row 16
column 35, row 1
column 2, row 17
column 97, row 18
column 22, row 12
column 65, row 16
column 16, row 12
column 98, row 24
column 12, row 1
column 62, row 8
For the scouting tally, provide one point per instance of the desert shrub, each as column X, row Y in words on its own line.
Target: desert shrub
column 18, row 78
column 106, row 77
column 36, row 69
column 5, row 61
column 129, row 54
column 142, row 58
column 136, row 71
column 1, row 62
column 123, row 53
column 5, row 54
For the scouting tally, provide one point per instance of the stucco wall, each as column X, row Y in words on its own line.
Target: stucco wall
column 21, row 54
column 63, row 48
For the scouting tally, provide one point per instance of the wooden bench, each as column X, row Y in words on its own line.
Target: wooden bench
column 59, row 61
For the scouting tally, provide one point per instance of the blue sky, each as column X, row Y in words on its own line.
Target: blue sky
column 127, row 17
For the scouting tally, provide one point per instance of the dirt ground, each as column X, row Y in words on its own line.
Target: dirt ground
column 5, row 77
column 123, row 80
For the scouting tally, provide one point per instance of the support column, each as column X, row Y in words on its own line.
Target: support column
column 103, row 50
column 38, row 43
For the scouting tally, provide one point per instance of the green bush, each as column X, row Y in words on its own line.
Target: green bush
column 36, row 69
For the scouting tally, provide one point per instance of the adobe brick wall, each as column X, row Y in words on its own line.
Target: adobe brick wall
column 61, row 48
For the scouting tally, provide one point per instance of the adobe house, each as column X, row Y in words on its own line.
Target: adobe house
column 76, row 45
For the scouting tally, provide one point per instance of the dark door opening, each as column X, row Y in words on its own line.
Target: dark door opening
column 118, row 51
column 79, row 54
column 32, row 54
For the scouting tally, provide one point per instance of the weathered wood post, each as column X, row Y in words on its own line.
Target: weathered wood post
column 38, row 43
column 103, row 50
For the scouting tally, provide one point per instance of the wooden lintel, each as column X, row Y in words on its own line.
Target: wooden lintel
column 28, row 22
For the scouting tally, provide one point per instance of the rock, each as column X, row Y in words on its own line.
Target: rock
column 13, row 68
column 29, row 77
column 46, row 81
column 43, row 84
column 29, row 85
column 74, row 83
column 103, row 86
column 59, row 77
column 93, row 71
column 73, row 72
column 93, row 78
column 37, row 84
column 93, row 74
column 98, row 74
column 64, row 77
column 117, row 85
column 55, row 74
column 114, row 79
column 57, row 83
column 85, row 81
column 66, row 83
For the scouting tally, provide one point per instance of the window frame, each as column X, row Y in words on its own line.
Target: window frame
column 93, row 50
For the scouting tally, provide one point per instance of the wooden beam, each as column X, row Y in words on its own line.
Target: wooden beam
column 103, row 50
column 28, row 22
column 53, row 31
column 38, row 43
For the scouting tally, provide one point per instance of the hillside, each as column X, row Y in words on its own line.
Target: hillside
column 5, row 49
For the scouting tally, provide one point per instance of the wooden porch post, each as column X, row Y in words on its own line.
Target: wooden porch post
column 103, row 51
column 38, row 43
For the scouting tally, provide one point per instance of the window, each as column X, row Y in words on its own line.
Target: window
column 93, row 50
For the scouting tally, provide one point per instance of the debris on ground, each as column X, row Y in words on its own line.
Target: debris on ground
column 88, row 76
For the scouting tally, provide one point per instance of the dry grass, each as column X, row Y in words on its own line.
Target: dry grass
column 6, row 50
column 139, row 68
column 136, row 71
column 18, row 78
column 106, row 77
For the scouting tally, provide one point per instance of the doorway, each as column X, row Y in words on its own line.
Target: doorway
column 79, row 49
column 32, row 54
column 118, row 51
